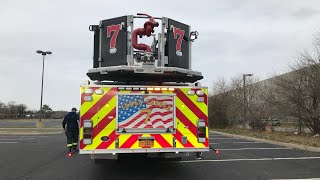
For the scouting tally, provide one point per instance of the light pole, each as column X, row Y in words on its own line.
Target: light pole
column 43, row 53
column 245, row 97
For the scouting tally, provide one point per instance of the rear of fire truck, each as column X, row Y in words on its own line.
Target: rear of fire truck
column 143, row 98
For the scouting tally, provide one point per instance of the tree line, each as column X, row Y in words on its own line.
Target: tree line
column 13, row 110
column 294, row 96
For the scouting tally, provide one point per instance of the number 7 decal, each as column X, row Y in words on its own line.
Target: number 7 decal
column 180, row 32
column 148, row 115
column 115, row 29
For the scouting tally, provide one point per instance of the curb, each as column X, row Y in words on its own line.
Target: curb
column 290, row 145
column 33, row 131
column 29, row 133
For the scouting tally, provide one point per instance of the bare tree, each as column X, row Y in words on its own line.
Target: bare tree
column 301, row 89
column 218, row 104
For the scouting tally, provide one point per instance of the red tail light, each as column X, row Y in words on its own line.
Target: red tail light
column 87, row 132
column 202, row 130
column 87, row 136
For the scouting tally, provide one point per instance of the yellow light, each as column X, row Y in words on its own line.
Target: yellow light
column 157, row 89
column 150, row 89
column 171, row 89
column 164, row 89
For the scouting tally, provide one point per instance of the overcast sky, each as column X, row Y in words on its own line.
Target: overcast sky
column 260, row 37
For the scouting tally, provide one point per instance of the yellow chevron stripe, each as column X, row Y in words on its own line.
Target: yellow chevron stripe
column 135, row 145
column 81, row 133
column 82, row 89
column 168, row 138
column 101, row 114
column 191, row 137
column 178, row 144
column 123, row 138
column 103, row 111
column 156, row 145
column 112, row 145
column 207, row 132
column 105, row 132
column 186, row 111
column 202, row 106
column 88, row 105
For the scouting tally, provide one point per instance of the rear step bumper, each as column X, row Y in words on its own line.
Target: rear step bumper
column 148, row 155
column 144, row 150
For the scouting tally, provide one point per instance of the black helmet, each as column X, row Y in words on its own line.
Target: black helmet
column 74, row 109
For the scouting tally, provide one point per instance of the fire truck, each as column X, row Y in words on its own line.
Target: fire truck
column 143, row 98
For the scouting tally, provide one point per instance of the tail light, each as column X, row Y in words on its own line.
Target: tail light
column 202, row 131
column 200, row 95
column 87, row 132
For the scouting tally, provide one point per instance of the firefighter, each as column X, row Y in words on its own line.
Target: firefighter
column 198, row 155
column 72, row 129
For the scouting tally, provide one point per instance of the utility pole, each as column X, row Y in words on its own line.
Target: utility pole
column 43, row 53
column 245, row 102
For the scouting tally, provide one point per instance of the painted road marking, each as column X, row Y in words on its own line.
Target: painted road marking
column 241, row 149
column 8, row 142
column 234, row 160
column 245, row 142
column 298, row 179
column 226, row 138
column 20, row 139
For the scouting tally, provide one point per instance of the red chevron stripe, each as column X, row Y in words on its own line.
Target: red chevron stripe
column 163, row 142
column 178, row 136
column 98, row 105
column 81, row 145
column 205, row 95
column 103, row 123
column 105, row 145
column 83, row 94
column 187, row 122
column 191, row 105
column 132, row 139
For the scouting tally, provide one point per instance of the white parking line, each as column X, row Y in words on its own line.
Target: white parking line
column 20, row 139
column 245, row 142
column 234, row 160
column 241, row 149
column 8, row 142
column 298, row 179
column 226, row 138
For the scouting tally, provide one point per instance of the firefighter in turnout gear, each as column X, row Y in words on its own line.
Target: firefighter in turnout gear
column 72, row 129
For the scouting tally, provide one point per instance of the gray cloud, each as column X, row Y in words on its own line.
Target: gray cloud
column 260, row 37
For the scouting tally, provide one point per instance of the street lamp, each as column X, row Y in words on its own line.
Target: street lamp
column 245, row 96
column 43, row 53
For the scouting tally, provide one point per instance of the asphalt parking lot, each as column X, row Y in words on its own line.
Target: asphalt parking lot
column 45, row 157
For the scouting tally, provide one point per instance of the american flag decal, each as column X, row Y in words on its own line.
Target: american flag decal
column 145, row 111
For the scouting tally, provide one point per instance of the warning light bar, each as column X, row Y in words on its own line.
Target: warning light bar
column 145, row 88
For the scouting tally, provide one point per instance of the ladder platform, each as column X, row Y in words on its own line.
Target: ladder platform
column 143, row 74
